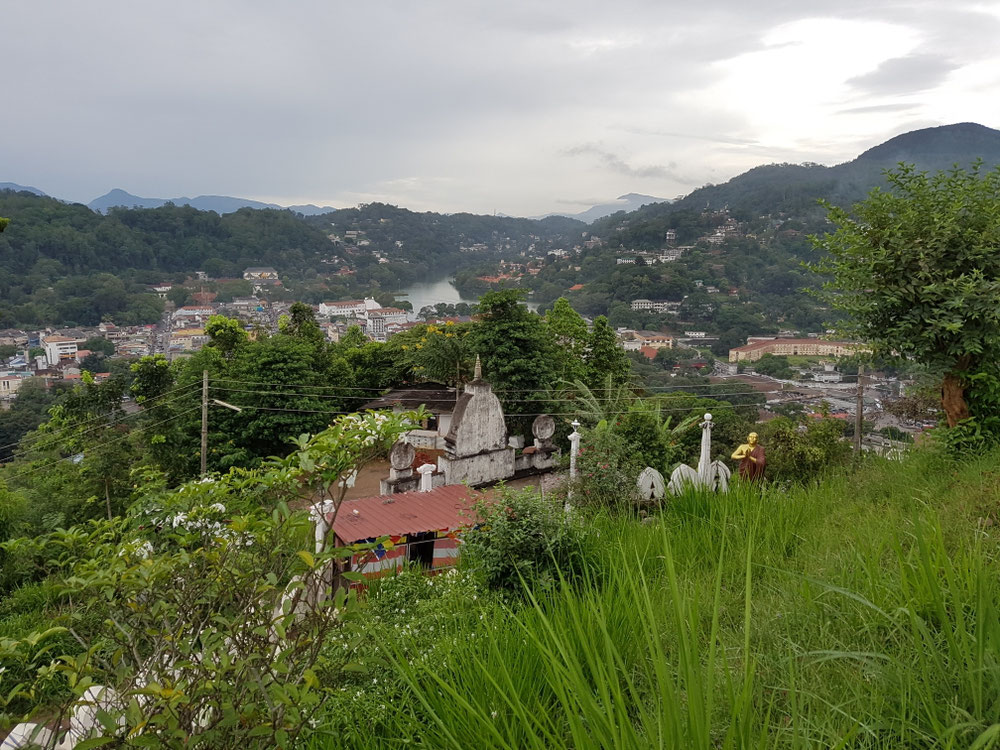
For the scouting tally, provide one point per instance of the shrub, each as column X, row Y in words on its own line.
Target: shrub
column 607, row 471
column 798, row 453
column 525, row 539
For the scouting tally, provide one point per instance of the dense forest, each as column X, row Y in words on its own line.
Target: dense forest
column 64, row 264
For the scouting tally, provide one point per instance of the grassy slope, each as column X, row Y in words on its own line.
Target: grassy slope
column 858, row 613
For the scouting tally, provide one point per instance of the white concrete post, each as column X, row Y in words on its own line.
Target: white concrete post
column 317, row 513
column 426, row 472
column 705, row 459
column 574, row 450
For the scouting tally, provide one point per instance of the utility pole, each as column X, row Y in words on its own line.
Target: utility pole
column 859, row 410
column 204, row 422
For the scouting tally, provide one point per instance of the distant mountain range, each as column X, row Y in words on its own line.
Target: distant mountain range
column 224, row 204
column 628, row 203
column 21, row 188
column 221, row 204
column 768, row 188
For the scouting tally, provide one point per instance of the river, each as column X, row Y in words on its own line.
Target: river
column 423, row 293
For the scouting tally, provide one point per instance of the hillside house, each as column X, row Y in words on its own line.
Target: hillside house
column 260, row 273
column 439, row 400
column 191, row 316
column 10, row 383
column 654, row 339
column 794, row 347
column 344, row 309
column 423, row 529
column 59, row 349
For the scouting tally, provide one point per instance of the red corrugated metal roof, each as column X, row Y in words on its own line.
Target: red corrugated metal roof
column 441, row 509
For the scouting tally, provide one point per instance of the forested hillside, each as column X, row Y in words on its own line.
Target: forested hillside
column 53, row 253
column 65, row 264
column 794, row 189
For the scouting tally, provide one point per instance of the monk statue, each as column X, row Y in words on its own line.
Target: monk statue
column 751, row 458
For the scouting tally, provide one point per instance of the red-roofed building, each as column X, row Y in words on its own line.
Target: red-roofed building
column 576, row 287
column 649, row 352
column 422, row 528
column 794, row 347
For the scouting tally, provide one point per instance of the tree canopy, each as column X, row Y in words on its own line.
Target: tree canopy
column 917, row 270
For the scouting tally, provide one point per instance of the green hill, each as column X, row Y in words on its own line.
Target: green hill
column 793, row 189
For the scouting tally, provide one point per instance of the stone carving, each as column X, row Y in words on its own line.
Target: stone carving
column 543, row 428
column 401, row 476
column 401, row 456
column 712, row 475
column 650, row 484
column 476, row 449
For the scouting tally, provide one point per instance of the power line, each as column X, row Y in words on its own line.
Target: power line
column 416, row 400
column 101, row 418
column 666, row 388
column 101, row 445
column 687, row 409
column 66, row 438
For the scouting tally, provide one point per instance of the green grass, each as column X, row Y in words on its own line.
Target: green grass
column 858, row 613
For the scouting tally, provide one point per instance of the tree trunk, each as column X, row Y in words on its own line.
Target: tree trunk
column 953, row 399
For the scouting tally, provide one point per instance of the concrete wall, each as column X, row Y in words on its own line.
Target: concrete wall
column 481, row 469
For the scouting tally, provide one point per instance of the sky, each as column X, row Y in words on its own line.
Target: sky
column 518, row 107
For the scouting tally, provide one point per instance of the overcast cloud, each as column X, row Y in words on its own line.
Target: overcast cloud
column 518, row 107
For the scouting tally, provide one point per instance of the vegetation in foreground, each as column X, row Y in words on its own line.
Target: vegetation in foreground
column 860, row 612
column 855, row 612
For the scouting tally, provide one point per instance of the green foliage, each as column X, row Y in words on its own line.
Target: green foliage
column 570, row 332
column 525, row 540
column 99, row 344
column 838, row 615
column 516, row 351
column 916, row 271
column 605, row 360
column 205, row 609
column 441, row 353
column 775, row 366
column 26, row 413
column 607, row 472
column 802, row 453
column 353, row 338
column 225, row 334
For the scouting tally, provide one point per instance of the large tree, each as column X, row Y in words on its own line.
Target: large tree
column 569, row 329
column 605, row 359
column 917, row 270
column 516, row 351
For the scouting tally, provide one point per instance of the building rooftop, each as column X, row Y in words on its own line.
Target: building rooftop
column 794, row 342
column 436, row 398
column 447, row 508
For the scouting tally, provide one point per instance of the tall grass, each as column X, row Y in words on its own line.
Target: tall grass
column 861, row 612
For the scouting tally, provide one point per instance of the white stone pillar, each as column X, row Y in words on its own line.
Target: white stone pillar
column 317, row 513
column 705, row 459
column 574, row 450
column 426, row 477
